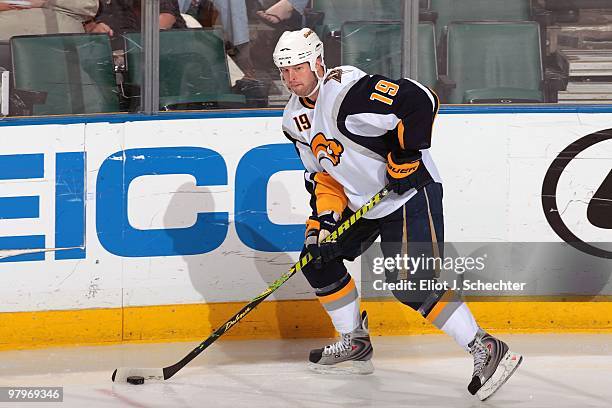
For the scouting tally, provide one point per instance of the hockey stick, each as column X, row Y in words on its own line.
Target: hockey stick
column 121, row 374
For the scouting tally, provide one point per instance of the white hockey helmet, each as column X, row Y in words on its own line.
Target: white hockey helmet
column 297, row 47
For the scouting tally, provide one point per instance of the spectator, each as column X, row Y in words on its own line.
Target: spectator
column 185, row 5
column 5, row 5
column 45, row 17
column 115, row 17
column 284, row 14
column 233, row 16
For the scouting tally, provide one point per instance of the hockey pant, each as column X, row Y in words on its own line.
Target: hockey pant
column 415, row 229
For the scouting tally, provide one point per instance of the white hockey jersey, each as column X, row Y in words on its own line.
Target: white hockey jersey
column 344, row 138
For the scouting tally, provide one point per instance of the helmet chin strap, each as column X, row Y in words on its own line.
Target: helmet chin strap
column 315, row 89
column 319, row 80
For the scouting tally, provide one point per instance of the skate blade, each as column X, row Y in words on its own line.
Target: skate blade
column 344, row 368
column 507, row 367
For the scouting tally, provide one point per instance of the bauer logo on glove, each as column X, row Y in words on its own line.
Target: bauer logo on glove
column 406, row 171
column 402, row 170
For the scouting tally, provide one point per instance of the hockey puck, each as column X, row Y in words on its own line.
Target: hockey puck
column 135, row 379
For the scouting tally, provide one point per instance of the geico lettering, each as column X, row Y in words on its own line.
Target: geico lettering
column 116, row 173
column 68, row 182
column 113, row 227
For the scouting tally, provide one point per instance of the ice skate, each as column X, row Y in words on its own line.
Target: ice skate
column 494, row 363
column 352, row 354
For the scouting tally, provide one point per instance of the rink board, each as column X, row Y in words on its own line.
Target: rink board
column 160, row 229
column 279, row 319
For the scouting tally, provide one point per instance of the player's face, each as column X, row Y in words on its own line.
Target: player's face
column 299, row 78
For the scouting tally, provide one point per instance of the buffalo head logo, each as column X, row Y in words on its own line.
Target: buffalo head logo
column 324, row 148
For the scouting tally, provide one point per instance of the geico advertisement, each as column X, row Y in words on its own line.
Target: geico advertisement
column 140, row 213
column 164, row 212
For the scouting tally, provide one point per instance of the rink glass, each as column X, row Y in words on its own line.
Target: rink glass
column 217, row 55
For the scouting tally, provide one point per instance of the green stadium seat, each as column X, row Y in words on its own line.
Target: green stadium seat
column 493, row 62
column 193, row 71
column 427, row 69
column 449, row 11
column 375, row 47
column 337, row 12
column 75, row 71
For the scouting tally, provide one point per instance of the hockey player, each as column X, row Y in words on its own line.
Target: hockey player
column 356, row 133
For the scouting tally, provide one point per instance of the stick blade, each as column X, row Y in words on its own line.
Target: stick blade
column 121, row 374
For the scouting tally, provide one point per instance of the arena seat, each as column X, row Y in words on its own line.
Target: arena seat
column 494, row 62
column 449, row 11
column 375, row 47
column 193, row 72
column 74, row 71
column 337, row 12
column 332, row 14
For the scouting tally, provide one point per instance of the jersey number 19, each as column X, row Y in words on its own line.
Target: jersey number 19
column 384, row 87
column 302, row 122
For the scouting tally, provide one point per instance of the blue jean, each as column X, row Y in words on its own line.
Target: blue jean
column 299, row 5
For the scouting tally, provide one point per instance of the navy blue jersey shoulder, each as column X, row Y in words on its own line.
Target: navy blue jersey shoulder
column 414, row 104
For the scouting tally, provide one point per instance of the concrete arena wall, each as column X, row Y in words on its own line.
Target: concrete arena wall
column 162, row 229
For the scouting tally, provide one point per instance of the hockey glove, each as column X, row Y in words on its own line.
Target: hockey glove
column 323, row 251
column 405, row 171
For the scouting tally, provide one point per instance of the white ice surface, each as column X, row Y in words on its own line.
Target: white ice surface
column 559, row 370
